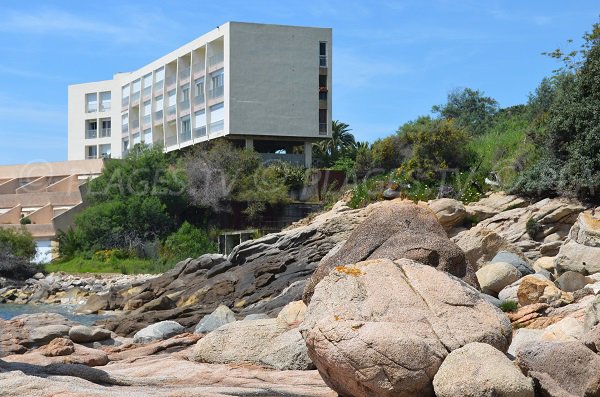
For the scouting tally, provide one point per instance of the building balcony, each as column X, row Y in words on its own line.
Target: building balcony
column 171, row 140
column 322, row 61
column 147, row 119
column 171, row 80
column 124, row 129
column 158, row 87
column 198, row 70
column 91, row 134
column 215, row 60
column 184, row 105
column 158, row 116
column 135, row 98
column 199, row 100
column 184, row 74
column 147, row 92
column 135, row 124
column 185, row 136
column 217, row 126
column 216, row 92
column 125, row 102
column 172, row 110
column 200, row 132
column 105, row 133
column 322, row 128
column 91, row 157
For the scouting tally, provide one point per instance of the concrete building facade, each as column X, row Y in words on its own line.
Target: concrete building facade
column 48, row 195
column 262, row 86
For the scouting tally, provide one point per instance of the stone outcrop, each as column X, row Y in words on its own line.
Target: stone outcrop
column 383, row 328
column 479, row 370
column 449, row 212
column 581, row 251
column 221, row 316
column 249, row 280
column 398, row 230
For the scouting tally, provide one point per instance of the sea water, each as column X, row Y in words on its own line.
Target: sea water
column 8, row 311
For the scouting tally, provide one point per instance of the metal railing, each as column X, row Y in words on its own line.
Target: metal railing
column 198, row 99
column 216, row 59
column 217, row 126
column 185, row 136
column 91, row 134
column 216, row 92
column 105, row 133
column 91, row 157
column 199, row 132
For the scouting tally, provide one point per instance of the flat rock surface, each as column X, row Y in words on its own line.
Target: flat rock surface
column 157, row 376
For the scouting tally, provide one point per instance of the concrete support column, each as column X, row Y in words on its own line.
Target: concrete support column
column 308, row 154
column 249, row 143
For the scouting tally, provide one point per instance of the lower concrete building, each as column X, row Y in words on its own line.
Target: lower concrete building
column 43, row 198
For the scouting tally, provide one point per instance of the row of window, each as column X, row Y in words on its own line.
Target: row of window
column 91, row 102
column 98, row 151
column 92, row 131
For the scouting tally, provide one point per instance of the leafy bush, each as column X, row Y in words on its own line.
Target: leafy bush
column 388, row 153
column 532, row 227
column 15, row 267
column 187, row 242
column 470, row 109
column 25, row 221
column 18, row 242
column 293, row 176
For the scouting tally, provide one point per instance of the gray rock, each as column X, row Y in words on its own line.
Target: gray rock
column 83, row 334
column 522, row 338
column 390, row 194
column 572, row 281
column 46, row 333
column 38, row 276
column 287, row 352
column 158, row 331
column 490, row 299
column 495, row 276
column 592, row 314
column 561, row 368
column 578, row 258
column 515, row 260
column 479, row 370
column 221, row 316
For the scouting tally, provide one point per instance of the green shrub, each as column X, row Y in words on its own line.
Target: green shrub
column 18, row 242
column 532, row 227
column 25, row 221
column 509, row 306
column 187, row 242
column 15, row 267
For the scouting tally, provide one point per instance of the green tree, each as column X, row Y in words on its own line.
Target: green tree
column 17, row 242
column 470, row 109
column 341, row 142
column 187, row 242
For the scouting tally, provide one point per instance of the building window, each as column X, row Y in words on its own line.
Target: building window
column 105, row 131
column 184, row 97
column 199, row 91
column 148, row 136
column 323, row 121
column 125, row 146
column 217, row 84
column 136, row 138
column 105, row 101
column 199, row 124
column 171, row 103
column 185, row 131
column 158, row 108
column 125, row 123
column 323, row 54
column 147, row 109
column 92, row 129
column 91, row 152
column 217, row 117
column 91, row 102
column 105, row 152
column 125, row 96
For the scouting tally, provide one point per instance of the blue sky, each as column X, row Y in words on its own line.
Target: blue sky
column 392, row 60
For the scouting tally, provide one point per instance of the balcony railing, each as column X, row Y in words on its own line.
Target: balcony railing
column 200, row 132
column 105, row 107
column 171, row 110
column 171, row 80
column 184, row 73
column 199, row 100
column 216, row 92
column 198, row 68
column 216, row 59
column 91, row 134
column 105, row 133
column 91, row 157
column 158, row 115
column 135, row 124
column 171, row 140
column 217, row 126
column 185, row 136
column 323, row 61
column 184, row 105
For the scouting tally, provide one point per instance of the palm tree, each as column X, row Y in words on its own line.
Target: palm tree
column 341, row 140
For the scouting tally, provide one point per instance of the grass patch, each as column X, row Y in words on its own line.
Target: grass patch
column 123, row 266
column 509, row 306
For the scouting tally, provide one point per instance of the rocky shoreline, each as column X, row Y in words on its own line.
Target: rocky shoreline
column 495, row 298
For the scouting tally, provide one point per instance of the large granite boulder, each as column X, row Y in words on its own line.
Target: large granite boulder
column 518, row 262
column 561, row 368
column 383, row 327
column 84, row 334
column 287, row 352
column 31, row 330
column 536, row 289
column 581, row 251
column 449, row 212
column 221, row 316
column 398, row 230
column 159, row 331
column 479, row 370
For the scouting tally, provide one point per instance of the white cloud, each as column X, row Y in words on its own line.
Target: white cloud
column 357, row 71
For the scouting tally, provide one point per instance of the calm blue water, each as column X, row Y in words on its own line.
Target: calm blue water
column 8, row 311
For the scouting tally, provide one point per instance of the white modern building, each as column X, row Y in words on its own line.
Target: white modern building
column 262, row 86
